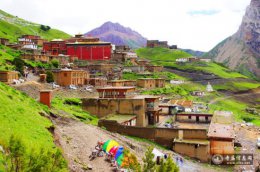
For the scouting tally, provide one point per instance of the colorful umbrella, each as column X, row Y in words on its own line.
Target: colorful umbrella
column 119, row 157
column 113, row 150
column 108, row 145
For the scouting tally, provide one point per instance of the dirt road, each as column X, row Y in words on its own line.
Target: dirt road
column 78, row 140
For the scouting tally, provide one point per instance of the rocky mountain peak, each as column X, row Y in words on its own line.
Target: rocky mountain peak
column 118, row 35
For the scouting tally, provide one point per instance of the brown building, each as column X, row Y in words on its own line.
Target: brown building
column 8, row 76
column 156, row 43
column 221, row 133
column 159, row 83
column 36, row 57
column 143, row 62
column 115, row 92
column 100, row 68
column 184, row 103
column 116, row 83
column 66, row 77
column 122, row 48
column 4, row 41
column 129, row 83
column 97, row 82
column 145, row 108
column 146, row 83
column 154, row 68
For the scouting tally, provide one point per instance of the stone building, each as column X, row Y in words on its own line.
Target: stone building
column 146, row 83
column 66, row 77
column 4, row 41
column 154, row 68
column 145, row 108
column 8, row 76
column 159, row 83
column 157, row 43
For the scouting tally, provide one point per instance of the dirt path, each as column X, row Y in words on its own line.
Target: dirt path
column 247, row 136
column 78, row 140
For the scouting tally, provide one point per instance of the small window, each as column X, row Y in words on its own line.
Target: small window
column 65, row 74
column 189, row 116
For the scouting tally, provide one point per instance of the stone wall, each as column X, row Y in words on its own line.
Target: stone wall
column 163, row 136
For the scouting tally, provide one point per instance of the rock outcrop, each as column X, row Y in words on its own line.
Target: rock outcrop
column 241, row 51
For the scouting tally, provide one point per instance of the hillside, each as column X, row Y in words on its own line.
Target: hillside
column 23, row 120
column 167, row 57
column 241, row 51
column 118, row 35
column 12, row 27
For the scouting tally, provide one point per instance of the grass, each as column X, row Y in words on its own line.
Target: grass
column 236, row 86
column 165, row 75
column 12, row 27
column 161, row 54
column 147, row 141
column 19, row 116
column 182, row 90
column 238, row 109
column 22, row 118
column 167, row 57
column 72, row 107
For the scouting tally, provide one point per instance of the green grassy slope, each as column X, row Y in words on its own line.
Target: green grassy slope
column 19, row 115
column 167, row 57
column 12, row 27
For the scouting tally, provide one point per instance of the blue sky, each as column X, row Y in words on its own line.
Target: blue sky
column 195, row 24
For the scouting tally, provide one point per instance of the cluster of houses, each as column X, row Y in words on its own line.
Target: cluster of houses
column 192, row 59
column 157, row 43
column 118, row 103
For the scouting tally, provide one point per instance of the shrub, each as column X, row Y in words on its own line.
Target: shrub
column 45, row 28
column 19, row 65
column 50, row 77
column 55, row 63
column 16, row 158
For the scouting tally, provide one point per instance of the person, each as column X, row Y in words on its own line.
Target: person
column 181, row 161
column 177, row 160
column 99, row 148
column 165, row 156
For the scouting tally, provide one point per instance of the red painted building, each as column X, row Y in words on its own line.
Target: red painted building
column 55, row 47
column 85, row 48
column 90, row 50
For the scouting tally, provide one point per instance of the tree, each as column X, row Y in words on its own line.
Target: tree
column 19, row 65
column 149, row 164
column 55, row 63
column 15, row 158
column 45, row 28
column 168, row 166
column 50, row 77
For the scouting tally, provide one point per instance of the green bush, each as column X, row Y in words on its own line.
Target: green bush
column 15, row 157
column 19, row 65
column 50, row 77
column 55, row 63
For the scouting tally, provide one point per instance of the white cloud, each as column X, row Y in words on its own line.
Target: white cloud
column 165, row 20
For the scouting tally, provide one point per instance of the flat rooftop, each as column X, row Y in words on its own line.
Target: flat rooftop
column 201, row 142
column 116, row 88
column 222, row 117
column 189, row 125
column 119, row 118
column 221, row 131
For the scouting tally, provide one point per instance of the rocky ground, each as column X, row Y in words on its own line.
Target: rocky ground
column 77, row 140
column 247, row 135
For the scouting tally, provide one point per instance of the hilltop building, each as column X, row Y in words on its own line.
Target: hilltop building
column 156, row 43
